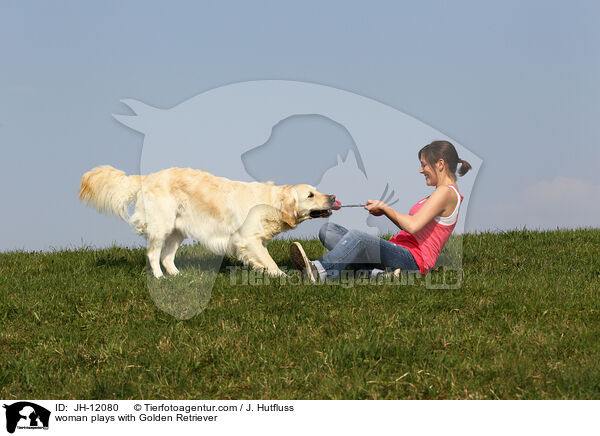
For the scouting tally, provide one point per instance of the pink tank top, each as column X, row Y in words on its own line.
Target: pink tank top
column 426, row 245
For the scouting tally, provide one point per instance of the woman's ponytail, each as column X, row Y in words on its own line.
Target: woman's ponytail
column 464, row 167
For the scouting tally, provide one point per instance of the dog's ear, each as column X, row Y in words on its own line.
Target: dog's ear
column 289, row 206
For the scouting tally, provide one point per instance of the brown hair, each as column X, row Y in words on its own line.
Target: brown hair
column 444, row 150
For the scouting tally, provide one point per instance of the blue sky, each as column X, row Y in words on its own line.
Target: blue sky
column 514, row 82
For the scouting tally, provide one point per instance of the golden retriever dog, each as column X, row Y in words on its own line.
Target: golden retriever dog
column 225, row 216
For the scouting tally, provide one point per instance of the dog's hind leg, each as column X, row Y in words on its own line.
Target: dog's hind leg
column 154, row 248
column 161, row 215
column 167, row 255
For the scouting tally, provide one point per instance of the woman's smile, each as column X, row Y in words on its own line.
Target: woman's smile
column 424, row 169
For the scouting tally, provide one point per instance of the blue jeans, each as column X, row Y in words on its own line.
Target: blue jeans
column 360, row 251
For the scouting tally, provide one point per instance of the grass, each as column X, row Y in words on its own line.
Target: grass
column 524, row 325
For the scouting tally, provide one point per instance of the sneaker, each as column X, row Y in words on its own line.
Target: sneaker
column 387, row 274
column 300, row 261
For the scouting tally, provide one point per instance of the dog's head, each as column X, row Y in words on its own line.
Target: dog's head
column 302, row 202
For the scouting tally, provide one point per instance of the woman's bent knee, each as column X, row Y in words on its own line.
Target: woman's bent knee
column 323, row 233
column 330, row 234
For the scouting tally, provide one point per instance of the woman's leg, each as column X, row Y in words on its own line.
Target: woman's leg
column 330, row 234
column 357, row 247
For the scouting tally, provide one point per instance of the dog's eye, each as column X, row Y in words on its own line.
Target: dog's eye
column 311, row 195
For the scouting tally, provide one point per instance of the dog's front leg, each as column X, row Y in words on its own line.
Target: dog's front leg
column 258, row 256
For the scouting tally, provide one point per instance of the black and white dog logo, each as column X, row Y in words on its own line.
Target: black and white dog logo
column 26, row 415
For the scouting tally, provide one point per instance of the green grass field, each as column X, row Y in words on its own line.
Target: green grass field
column 525, row 324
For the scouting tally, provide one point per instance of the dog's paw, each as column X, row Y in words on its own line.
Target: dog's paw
column 275, row 273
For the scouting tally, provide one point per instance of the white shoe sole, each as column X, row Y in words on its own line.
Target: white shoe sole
column 300, row 261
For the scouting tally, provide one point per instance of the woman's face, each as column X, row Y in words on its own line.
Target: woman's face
column 431, row 176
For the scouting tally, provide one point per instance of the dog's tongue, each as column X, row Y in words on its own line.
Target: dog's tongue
column 338, row 204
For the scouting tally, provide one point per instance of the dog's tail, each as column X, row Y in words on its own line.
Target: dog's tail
column 109, row 190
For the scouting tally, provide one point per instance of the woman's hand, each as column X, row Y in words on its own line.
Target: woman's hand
column 376, row 207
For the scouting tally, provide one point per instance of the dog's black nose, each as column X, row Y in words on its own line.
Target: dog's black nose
column 332, row 197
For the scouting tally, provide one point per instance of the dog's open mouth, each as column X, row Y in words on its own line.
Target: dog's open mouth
column 320, row 213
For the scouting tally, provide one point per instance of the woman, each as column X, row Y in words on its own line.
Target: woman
column 423, row 232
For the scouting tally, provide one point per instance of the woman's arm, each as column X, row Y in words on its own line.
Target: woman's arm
column 435, row 205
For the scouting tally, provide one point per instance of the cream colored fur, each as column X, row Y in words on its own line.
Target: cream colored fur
column 225, row 216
